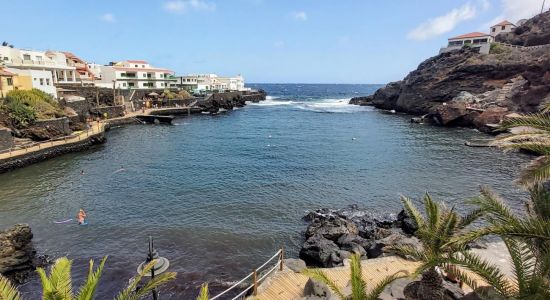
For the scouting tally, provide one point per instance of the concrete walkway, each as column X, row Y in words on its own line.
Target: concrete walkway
column 96, row 128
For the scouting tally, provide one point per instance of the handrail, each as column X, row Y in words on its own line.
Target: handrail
column 254, row 285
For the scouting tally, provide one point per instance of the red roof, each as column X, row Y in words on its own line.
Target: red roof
column 142, row 69
column 504, row 23
column 5, row 73
column 470, row 35
column 137, row 61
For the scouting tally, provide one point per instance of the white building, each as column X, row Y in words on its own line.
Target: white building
column 52, row 61
column 477, row 40
column 135, row 74
column 200, row 83
column 501, row 27
column 40, row 79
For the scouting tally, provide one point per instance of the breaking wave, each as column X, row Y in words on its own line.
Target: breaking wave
column 314, row 105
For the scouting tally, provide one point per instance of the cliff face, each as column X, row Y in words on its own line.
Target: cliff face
column 535, row 31
column 466, row 88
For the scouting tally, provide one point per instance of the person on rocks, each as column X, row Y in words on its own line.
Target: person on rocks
column 81, row 217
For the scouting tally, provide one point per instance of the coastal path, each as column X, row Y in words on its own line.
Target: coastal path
column 95, row 129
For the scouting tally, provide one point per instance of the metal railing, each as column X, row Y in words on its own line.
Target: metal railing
column 96, row 128
column 261, row 271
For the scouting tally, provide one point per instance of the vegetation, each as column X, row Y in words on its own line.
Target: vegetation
column 25, row 107
column 57, row 285
column 436, row 230
column 535, row 138
column 167, row 94
column 498, row 49
column 204, row 295
column 358, row 285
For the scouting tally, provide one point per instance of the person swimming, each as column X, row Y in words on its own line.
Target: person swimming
column 81, row 217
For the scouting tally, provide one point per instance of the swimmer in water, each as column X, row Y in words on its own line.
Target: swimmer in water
column 82, row 172
column 81, row 217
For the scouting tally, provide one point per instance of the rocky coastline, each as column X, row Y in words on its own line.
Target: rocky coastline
column 18, row 258
column 333, row 235
column 468, row 89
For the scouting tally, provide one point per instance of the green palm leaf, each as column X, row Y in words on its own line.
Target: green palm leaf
column 536, row 172
column 87, row 291
column 7, row 290
column 204, row 293
column 322, row 277
column 374, row 294
column 358, row 285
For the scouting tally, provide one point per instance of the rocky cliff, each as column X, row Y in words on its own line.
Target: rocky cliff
column 17, row 255
column 466, row 88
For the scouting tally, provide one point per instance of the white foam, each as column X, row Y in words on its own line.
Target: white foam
column 322, row 105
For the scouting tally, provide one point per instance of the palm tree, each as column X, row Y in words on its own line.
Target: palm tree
column 435, row 231
column 358, row 285
column 535, row 138
column 57, row 285
column 527, row 239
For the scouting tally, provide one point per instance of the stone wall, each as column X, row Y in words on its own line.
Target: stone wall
column 6, row 139
column 105, row 95
column 82, row 108
column 47, row 153
column 60, row 125
column 112, row 111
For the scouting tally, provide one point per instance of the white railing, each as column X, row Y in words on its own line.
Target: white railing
column 254, row 275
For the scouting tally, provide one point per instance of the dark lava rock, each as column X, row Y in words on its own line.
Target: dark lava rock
column 407, row 223
column 17, row 255
column 331, row 228
column 315, row 289
column 321, row 252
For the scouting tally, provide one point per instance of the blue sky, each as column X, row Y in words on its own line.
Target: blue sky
column 302, row 41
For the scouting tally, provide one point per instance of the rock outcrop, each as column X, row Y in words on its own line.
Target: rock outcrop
column 17, row 255
column 333, row 235
column 466, row 88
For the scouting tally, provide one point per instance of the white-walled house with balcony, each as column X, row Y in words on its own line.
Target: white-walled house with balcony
column 52, row 61
column 201, row 83
column 477, row 40
column 135, row 74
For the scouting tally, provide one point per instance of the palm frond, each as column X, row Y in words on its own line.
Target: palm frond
column 412, row 212
column 539, row 121
column 204, row 295
column 358, row 285
column 7, row 290
column 407, row 252
column 88, row 289
column 470, row 218
column 539, row 202
column 60, row 277
column 433, row 212
column 154, row 283
column 536, row 172
column 492, row 204
column 486, row 271
column 322, row 277
column 128, row 292
column 374, row 294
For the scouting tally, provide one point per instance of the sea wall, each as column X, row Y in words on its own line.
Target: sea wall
column 6, row 139
column 47, row 153
column 60, row 125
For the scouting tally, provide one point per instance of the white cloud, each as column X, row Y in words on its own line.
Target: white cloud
column 443, row 24
column 299, row 15
column 181, row 6
column 514, row 10
column 485, row 4
column 108, row 17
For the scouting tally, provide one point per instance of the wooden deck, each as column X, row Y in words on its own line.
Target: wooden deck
column 288, row 285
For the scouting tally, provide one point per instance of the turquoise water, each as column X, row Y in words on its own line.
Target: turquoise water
column 220, row 194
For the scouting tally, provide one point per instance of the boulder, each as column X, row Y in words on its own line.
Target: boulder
column 406, row 224
column 395, row 289
column 399, row 239
column 321, row 252
column 331, row 228
column 294, row 264
column 17, row 255
column 315, row 289
column 492, row 115
column 451, row 113
column 354, row 244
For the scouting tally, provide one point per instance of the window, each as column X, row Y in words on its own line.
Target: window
column 144, row 75
column 47, row 81
column 39, row 58
column 124, row 84
column 143, row 66
column 135, row 66
column 161, row 75
column 503, row 27
column 26, row 57
column 9, row 81
column 41, row 81
column 494, row 29
column 131, row 84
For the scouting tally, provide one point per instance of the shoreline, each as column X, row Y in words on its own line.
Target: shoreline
column 96, row 133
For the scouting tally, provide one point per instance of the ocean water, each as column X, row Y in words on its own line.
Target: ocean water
column 220, row 194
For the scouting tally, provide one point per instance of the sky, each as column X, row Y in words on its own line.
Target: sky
column 267, row 41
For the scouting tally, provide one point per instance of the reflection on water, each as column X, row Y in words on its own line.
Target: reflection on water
column 221, row 193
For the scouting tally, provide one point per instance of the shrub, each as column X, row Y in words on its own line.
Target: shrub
column 21, row 114
column 44, row 105
column 498, row 49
